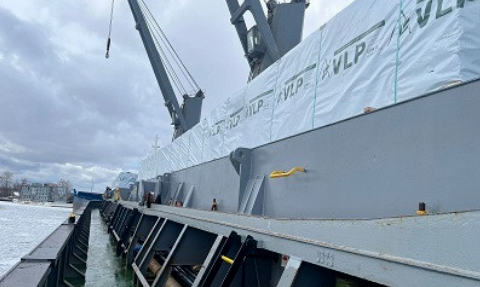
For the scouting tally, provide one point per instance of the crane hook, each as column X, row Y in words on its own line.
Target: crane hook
column 108, row 48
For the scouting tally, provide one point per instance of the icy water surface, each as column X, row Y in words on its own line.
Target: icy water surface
column 23, row 227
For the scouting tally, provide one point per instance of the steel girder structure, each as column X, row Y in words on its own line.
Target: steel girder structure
column 434, row 250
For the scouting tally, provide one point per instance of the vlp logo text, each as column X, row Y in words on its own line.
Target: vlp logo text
column 351, row 53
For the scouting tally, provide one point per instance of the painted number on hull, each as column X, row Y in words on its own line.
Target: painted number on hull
column 325, row 258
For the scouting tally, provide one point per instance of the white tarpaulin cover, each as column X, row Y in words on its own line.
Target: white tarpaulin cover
column 195, row 145
column 259, row 101
column 439, row 45
column 213, row 134
column 234, row 127
column 374, row 53
column 295, row 90
column 357, row 61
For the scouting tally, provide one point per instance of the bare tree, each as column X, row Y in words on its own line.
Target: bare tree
column 67, row 185
column 17, row 186
column 23, row 184
column 6, row 180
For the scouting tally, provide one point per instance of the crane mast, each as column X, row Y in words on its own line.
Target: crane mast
column 183, row 117
column 272, row 36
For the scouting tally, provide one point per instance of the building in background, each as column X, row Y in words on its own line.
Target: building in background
column 43, row 192
column 26, row 192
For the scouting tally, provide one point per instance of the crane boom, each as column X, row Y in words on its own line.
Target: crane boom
column 192, row 105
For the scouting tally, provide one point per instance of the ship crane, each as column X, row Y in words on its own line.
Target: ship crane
column 273, row 35
column 169, row 71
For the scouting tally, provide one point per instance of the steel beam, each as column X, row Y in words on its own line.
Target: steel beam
column 379, row 250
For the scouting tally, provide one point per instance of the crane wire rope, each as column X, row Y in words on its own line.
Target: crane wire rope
column 109, row 40
column 168, row 66
column 175, row 59
column 164, row 57
column 173, row 54
column 160, row 38
column 186, row 73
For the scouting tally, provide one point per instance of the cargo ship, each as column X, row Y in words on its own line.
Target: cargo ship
column 349, row 159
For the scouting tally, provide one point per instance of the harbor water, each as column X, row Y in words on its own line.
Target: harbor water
column 104, row 268
column 23, row 227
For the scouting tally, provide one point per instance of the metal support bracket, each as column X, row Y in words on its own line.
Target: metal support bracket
column 145, row 225
column 188, row 198
column 290, row 272
column 253, row 198
column 241, row 159
column 231, row 255
column 177, row 193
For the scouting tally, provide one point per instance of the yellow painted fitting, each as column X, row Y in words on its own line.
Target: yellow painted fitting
column 281, row 173
column 422, row 212
column 226, row 259
column 117, row 194
column 71, row 218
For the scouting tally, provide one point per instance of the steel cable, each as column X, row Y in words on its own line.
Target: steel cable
column 163, row 57
column 186, row 73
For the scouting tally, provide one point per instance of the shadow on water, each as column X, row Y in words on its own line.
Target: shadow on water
column 104, row 268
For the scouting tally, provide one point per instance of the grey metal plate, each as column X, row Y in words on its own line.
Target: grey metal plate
column 53, row 245
column 27, row 274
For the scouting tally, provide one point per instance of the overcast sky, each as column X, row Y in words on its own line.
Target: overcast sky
column 67, row 112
